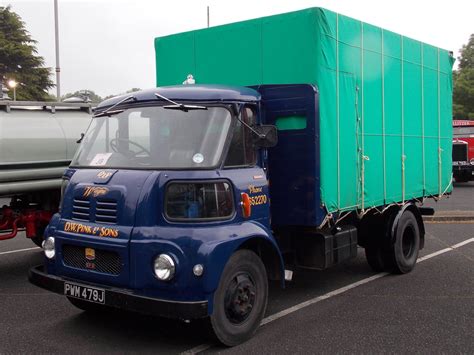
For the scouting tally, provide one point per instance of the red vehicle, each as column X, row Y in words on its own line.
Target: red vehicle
column 463, row 150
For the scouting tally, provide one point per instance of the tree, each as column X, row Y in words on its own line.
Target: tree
column 86, row 95
column 19, row 59
column 463, row 79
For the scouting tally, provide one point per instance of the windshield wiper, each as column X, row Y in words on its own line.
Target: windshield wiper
column 177, row 106
column 109, row 111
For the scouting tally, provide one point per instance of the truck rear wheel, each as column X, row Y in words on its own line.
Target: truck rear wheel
column 240, row 300
column 398, row 253
column 407, row 244
column 378, row 259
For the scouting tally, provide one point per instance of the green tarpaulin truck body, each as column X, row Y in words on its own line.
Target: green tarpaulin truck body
column 385, row 99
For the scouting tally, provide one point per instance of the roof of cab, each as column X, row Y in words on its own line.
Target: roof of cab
column 191, row 93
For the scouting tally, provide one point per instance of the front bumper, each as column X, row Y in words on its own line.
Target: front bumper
column 125, row 299
column 464, row 167
column 463, row 170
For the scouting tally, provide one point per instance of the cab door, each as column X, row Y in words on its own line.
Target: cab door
column 243, row 166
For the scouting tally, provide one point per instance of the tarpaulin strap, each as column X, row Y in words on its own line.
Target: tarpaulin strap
column 403, row 177
column 359, row 149
column 440, row 163
column 327, row 218
column 439, row 197
column 403, row 126
column 423, row 118
column 364, row 158
column 383, row 125
column 337, row 116
column 439, row 135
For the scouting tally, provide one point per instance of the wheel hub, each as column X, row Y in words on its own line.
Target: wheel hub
column 239, row 298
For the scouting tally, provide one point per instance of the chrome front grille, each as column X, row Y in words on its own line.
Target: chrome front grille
column 104, row 261
column 460, row 152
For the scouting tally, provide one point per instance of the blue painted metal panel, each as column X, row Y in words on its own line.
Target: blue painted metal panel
column 294, row 167
column 144, row 231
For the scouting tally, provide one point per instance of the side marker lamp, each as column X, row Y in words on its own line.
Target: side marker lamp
column 246, row 205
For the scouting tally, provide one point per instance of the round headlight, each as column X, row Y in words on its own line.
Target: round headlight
column 48, row 247
column 472, row 161
column 164, row 267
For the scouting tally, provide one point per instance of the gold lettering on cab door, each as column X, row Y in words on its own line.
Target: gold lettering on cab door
column 259, row 199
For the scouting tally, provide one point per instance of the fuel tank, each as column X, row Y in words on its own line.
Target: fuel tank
column 37, row 143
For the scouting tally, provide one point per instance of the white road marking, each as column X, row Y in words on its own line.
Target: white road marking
column 19, row 250
column 463, row 243
column 436, row 253
column 305, row 304
column 445, row 250
column 197, row 349
column 278, row 315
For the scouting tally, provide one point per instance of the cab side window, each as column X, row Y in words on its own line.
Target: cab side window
column 242, row 151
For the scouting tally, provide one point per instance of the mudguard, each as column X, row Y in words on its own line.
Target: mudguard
column 217, row 253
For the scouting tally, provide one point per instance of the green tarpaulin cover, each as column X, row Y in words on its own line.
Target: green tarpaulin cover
column 385, row 99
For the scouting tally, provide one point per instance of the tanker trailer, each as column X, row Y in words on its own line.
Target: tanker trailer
column 37, row 143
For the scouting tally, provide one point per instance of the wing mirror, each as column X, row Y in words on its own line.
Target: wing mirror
column 267, row 136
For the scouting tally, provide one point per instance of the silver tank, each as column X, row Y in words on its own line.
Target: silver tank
column 37, row 143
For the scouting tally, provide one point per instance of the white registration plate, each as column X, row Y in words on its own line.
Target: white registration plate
column 86, row 293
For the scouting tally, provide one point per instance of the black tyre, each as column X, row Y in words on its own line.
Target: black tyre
column 240, row 300
column 378, row 259
column 407, row 244
column 88, row 306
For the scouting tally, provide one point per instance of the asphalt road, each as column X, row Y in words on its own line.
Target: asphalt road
column 430, row 310
column 351, row 309
column 461, row 199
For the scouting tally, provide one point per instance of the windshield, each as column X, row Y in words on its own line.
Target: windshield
column 155, row 137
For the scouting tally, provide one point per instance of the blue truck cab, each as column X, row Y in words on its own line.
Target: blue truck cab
column 183, row 202
column 167, row 193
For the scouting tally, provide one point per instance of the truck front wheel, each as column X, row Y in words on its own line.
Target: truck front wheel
column 240, row 300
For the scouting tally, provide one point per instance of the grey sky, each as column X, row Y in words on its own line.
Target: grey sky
column 107, row 45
